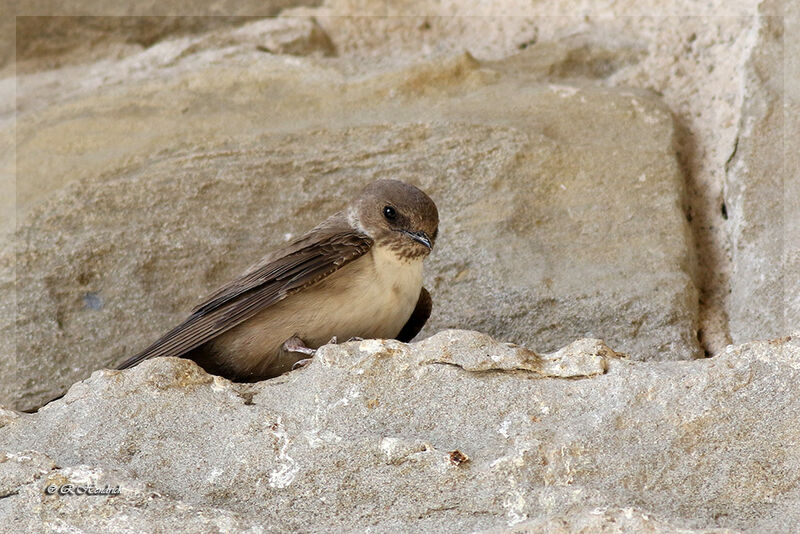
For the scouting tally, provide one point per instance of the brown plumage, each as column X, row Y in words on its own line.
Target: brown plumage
column 358, row 274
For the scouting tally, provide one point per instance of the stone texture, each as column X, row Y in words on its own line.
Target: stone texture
column 791, row 184
column 764, row 284
column 560, row 204
column 43, row 34
column 691, row 53
column 694, row 54
column 479, row 352
column 604, row 520
column 137, row 507
column 147, row 143
column 367, row 436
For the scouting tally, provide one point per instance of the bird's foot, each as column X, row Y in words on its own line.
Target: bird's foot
column 299, row 364
column 295, row 344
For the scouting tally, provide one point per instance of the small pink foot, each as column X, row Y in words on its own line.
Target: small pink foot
column 295, row 344
column 299, row 364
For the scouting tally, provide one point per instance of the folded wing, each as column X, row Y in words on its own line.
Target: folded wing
column 301, row 264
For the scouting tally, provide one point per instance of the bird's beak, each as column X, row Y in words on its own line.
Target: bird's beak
column 420, row 237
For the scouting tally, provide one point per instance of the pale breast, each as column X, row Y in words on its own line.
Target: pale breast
column 372, row 297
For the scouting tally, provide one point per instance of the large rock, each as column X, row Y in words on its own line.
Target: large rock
column 454, row 433
column 693, row 54
column 561, row 205
column 162, row 155
column 762, row 195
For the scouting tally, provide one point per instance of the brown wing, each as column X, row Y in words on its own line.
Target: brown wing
column 418, row 317
column 301, row 264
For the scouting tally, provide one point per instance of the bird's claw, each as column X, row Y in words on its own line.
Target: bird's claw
column 295, row 344
column 299, row 364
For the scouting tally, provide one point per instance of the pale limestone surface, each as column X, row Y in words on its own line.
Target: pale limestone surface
column 560, row 203
column 764, row 282
column 695, row 54
column 602, row 520
column 791, row 184
column 44, row 34
column 159, row 157
column 404, row 438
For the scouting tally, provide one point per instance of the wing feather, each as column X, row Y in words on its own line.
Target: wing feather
column 418, row 317
column 304, row 262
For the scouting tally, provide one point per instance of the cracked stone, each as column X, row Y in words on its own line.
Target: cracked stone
column 681, row 440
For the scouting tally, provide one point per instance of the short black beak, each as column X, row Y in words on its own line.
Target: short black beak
column 420, row 237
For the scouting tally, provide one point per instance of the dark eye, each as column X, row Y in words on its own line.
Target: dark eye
column 390, row 213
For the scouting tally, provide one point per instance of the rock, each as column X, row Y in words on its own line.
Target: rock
column 765, row 281
column 285, row 35
column 607, row 521
column 560, row 204
column 692, row 54
column 50, row 34
column 145, row 160
column 20, row 469
column 473, row 351
column 394, row 437
column 791, row 183
column 135, row 507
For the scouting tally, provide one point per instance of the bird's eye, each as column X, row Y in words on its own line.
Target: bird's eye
column 390, row 213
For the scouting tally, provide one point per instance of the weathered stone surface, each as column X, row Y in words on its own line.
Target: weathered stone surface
column 691, row 53
column 602, row 520
column 691, row 61
column 370, row 433
column 297, row 36
column 791, row 184
column 137, row 507
column 478, row 352
column 152, row 169
column 560, row 204
column 764, row 284
column 40, row 34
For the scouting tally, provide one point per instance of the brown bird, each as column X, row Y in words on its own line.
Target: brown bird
column 356, row 275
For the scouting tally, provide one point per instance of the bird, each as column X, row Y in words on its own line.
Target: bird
column 356, row 275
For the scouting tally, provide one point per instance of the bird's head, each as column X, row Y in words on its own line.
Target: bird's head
column 398, row 215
